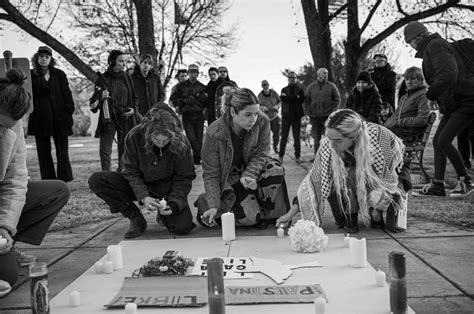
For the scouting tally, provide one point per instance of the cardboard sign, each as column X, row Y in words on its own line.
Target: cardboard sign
column 234, row 267
column 273, row 294
column 168, row 291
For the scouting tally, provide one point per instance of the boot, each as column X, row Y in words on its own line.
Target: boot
column 351, row 225
column 138, row 223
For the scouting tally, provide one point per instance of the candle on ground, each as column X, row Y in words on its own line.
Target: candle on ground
column 131, row 308
column 98, row 267
column 358, row 252
column 107, row 267
column 228, row 226
column 347, row 240
column 3, row 242
column 380, row 278
column 319, row 305
column 74, row 298
column 280, row 232
column 114, row 254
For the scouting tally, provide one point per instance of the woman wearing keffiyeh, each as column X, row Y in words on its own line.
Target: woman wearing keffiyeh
column 359, row 170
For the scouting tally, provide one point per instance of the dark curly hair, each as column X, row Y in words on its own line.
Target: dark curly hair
column 35, row 64
column 161, row 121
column 14, row 99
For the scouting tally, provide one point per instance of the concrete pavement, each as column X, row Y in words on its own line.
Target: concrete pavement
column 440, row 267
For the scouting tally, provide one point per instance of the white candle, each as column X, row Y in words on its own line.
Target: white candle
column 163, row 203
column 108, row 267
column 3, row 242
column 358, row 252
column 319, row 305
column 380, row 278
column 114, row 254
column 98, row 267
column 228, row 226
column 347, row 240
column 74, row 298
column 131, row 308
column 280, row 232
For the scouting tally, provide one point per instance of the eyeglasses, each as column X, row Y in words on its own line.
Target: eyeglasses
column 222, row 71
column 263, row 85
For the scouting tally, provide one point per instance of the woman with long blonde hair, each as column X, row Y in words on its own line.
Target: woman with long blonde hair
column 358, row 168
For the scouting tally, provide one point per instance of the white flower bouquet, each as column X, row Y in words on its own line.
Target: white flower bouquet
column 306, row 237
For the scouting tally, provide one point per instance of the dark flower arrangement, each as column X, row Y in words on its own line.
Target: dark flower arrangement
column 160, row 266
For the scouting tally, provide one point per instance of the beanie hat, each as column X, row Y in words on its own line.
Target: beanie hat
column 380, row 55
column 113, row 55
column 364, row 76
column 413, row 29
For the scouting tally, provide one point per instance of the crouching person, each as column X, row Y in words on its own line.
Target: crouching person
column 27, row 208
column 157, row 164
column 239, row 176
column 359, row 170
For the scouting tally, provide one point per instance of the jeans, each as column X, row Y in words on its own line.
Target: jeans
column 317, row 130
column 448, row 128
column 295, row 125
column 105, row 148
column 43, row 147
column 193, row 124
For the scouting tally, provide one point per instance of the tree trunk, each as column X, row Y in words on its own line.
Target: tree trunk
column 15, row 17
column 146, row 31
column 352, row 45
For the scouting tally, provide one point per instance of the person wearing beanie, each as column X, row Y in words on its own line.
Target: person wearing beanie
column 365, row 99
column 27, row 208
column 53, row 107
column 115, row 97
column 385, row 79
column 451, row 86
column 270, row 104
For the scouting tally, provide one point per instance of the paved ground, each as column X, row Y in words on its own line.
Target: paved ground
column 440, row 267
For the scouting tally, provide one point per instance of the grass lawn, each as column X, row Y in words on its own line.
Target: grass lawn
column 84, row 207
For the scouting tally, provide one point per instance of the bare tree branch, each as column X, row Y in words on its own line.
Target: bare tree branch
column 369, row 17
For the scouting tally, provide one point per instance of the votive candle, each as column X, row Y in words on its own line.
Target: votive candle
column 380, row 278
column 131, row 308
column 320, row 305
column 107, row 267
column 98, row 267
column 74, row 298
column 358, row 253
column 114, row 254
column 347, row 240
column 280, row 232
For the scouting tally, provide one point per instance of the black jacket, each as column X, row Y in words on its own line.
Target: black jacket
column 149, row 90
column 189, row 97
column 53, row 105
column 368, row 103
column 292, row 99
column 386, row 81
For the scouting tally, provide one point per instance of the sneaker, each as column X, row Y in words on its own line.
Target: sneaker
column 23, row 259
column 462, row 189
column 430, row 190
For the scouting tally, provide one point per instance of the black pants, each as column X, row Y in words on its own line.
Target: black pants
column 44, row 200
column 295, row 125
column 317, row 130
column 193, row 124
column 466, row 143
column 275, row 128
column 45, row 159
column 115, row 190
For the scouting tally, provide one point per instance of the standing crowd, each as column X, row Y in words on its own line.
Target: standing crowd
column 360, row 167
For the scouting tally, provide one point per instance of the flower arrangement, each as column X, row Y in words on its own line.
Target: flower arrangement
column 161, row 266
column 306, row 237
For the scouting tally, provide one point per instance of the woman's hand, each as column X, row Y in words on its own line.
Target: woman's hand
column 249, row 183
column 286, row 218
column 128, row 113
column 209, row 215
column 5, row 235
column 151, row 203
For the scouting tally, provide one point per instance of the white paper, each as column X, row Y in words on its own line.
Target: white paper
column 234, row 267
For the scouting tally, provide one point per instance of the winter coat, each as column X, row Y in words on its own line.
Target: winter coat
column 386, row 81
column 148, row 89
column 269, row 104
column 368, row 103
column 321, row 99
column 53, row 105
column 13, row 175
column 412, row 112
column 211, row 89
column 189, row 97
column 441, row 73
column 159, row 173
column 217, row 154
column 292, row 99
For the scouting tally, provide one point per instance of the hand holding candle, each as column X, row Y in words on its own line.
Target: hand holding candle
column 380, row 278
column 228, row 226
column 74, row 298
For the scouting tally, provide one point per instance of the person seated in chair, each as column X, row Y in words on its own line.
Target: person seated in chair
column 412, row 114
column 238, row 173
column 358, row 168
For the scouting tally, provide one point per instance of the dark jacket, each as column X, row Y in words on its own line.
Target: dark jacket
column 189, row 97
column 217, row 154
column 321, row 99
column 149, row 90
column 292, row 99
column 211, row 89
column 53, row 105
column 386, row 81
column 441, row 73
column 160, row 173
column 368, row 103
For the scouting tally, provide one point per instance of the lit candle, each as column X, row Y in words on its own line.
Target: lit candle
column 98, row 267
column 358, row 252
column 114, row 254
column 319, row 305
column 280, row 232
column 163, row 203
column 380, row 278
column 228, row 226
column 131, row 308
column 215, row 286
column 74, row 298
column 108, row 267
column 347, row 240
column 3, row 242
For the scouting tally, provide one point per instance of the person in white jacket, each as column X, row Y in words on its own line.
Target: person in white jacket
column 27, row 208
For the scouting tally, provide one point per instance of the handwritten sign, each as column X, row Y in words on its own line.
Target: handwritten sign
column 273, row 294
column 233, row 267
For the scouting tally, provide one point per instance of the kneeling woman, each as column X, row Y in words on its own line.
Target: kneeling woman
column 239, row 175
column 157, row 163
column 359, row 170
